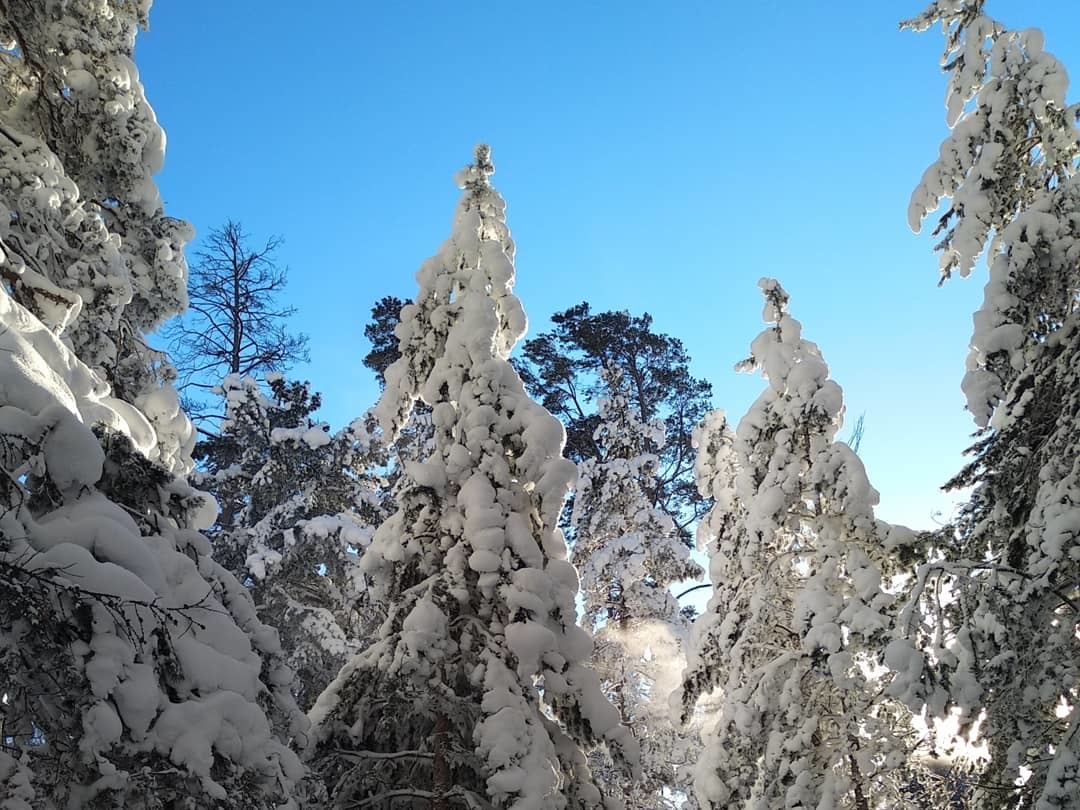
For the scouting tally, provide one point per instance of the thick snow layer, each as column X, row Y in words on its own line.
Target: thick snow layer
column 38, row 370
column 473, row 567
column 791, row 639
column 140, row 581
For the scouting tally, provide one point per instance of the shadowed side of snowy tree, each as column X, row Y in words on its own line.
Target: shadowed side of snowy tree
column 134, row 670
column 1002, row 647
column 299, row 503
column 446, row 705
column 794, row 634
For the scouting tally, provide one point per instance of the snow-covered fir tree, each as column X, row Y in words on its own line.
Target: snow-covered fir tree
column 133, row 668
column 477, row 689
column 794, row 633
column 1002, row 644
column 628, row 552
column 298, row 505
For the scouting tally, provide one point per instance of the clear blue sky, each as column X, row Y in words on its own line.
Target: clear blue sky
column 656, row 157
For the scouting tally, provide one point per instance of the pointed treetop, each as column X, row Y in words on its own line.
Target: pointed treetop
column 474, row 177
column 473, row 269
column 482, row 153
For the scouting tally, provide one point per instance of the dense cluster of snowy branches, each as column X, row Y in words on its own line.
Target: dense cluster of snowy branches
column 134, row 668
column 467, row 597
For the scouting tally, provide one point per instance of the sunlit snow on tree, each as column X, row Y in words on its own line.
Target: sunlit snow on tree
column 794, row 633
column 134, row 672
column 477, row 684
column 991, row 630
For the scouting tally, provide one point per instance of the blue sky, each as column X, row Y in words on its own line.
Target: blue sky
column 656, row 157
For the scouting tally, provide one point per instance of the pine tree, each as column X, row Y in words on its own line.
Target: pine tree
column 794, row 633
column 472, row 567
column 385, row 316
column 298, row 506
column 1003, row 646
column 628, row 553
column 134, row 670
column 564, row 369
column 414, row 441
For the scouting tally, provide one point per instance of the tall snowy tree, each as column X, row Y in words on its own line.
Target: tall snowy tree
column 794, row 633
column 629, row 552
column 298, row 505
column 564, row 368
column 476, row 690
column 133, row 669
column 1003, row 644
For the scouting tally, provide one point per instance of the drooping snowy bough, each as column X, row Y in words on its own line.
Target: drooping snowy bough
column 794, row 633
column 133, row 670
column 476, row 690
column 1004, row 643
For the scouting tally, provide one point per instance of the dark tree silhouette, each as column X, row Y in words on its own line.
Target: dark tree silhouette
column 380, row 333
column 234, row 323
column 562, row 368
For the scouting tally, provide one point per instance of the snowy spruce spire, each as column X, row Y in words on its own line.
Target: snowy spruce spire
column 476, row 686
column 793, row 633
column 1003, row 649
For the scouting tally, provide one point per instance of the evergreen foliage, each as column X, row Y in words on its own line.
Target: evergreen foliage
column 564, row 369
column 133, row 668
column 628, row 553
column 298, row 506
column 1001, row 646
column 472, row 567
column 800, row 616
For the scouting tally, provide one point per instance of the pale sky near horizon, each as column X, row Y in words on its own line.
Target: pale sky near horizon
column 656, row 157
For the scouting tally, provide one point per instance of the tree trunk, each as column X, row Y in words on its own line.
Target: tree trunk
column 441, row 783
column 861, row 802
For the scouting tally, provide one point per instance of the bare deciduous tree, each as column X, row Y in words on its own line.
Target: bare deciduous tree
column 234, row 323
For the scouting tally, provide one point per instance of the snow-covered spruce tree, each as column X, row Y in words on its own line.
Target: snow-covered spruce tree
column 133, row 668
column 628, row 552
column 794, row 633
column 298, row 504
column 1005, row 645
column 476, row 691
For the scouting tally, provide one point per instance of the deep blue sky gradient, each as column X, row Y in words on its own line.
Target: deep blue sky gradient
column 656, row 157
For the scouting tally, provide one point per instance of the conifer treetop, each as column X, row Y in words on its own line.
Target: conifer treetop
column 479, row 229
